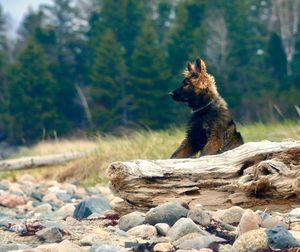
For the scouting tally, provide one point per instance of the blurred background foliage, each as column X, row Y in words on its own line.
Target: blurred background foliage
column 107, row 66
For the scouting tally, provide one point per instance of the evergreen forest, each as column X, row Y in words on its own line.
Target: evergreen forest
column 107, row 66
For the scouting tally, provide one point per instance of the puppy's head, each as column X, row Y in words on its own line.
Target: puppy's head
column 196, row 81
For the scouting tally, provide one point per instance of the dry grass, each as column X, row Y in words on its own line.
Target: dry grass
column 58, row 146
column 139, row 145
column 47, row 148
column 271, row 131
column 159, row 145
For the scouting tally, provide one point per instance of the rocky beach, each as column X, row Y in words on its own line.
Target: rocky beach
column 45, row 215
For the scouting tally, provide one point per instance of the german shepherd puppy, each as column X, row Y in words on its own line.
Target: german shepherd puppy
column 211, row 129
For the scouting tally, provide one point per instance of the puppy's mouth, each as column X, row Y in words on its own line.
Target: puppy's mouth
column 178, row 98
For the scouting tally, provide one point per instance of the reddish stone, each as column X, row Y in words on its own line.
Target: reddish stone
column 12, row 200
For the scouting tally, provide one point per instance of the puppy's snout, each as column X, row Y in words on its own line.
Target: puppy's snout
column 171, row 94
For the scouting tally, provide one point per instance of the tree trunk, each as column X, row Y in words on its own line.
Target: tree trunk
column 256, row 173
column 38, row 161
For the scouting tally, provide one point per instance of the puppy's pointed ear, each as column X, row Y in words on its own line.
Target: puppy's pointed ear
column 198, row 65
column 190, row 67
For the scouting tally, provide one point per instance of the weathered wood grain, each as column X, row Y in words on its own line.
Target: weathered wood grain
column 255, row 168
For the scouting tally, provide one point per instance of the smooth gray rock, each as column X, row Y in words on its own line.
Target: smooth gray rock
column 144, row 231
column 159, row 239
column 51, row 224
column 4, row 185
column 10, row 247
column 64, row 196
column 232, row 215
column 7, row 212
column 295, row 213
column 131, row 220
column 20, row 216
column 200, row 242
column 37, row 195
column 162, row 228
column 92, row 190
column 50, row 235
column 190, row 236
column 4, row 221
column 43, row 216
column 166, row 213
column 100, row 247
column 273, row 221
column 46, row 207
column 200, row 216
column 37, row 203
column 65, row 211
column 92, row 205
column 280, row 238
column 121, row 232
column 182, row 227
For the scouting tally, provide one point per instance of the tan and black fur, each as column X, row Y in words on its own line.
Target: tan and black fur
column 211, row 129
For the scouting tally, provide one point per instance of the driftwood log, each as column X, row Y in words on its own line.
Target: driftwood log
column 256, row 173
column 38, row 161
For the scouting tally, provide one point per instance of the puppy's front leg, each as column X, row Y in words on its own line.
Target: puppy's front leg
column 212, row 147
column 185, row 150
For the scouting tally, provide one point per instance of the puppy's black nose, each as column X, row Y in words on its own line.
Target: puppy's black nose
column 171, row 94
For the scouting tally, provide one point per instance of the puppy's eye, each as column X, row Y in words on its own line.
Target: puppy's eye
column 186, row 84
column 195, row 75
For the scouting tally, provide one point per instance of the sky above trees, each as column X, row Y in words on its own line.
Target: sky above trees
column 16, row 9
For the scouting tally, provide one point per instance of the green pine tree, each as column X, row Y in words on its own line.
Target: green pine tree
column 276, row 59
column 246, row 61
column 66, row 64
column 187, row 35
column 31, row 92
column 296, row 64
column 31, row 24
column 108, row 84
column 4, row 63
column 52, row 26
column 124, row 17
column 163, row 20
column 3, row 53
column 150, row 80
column 292, row 95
